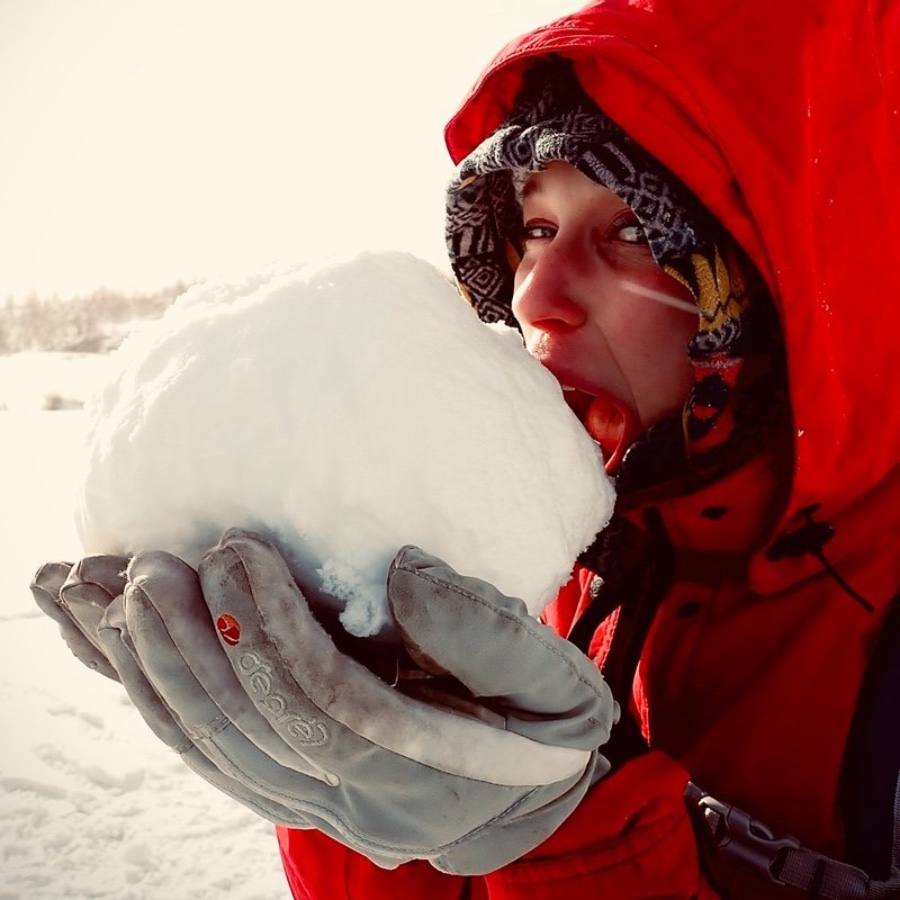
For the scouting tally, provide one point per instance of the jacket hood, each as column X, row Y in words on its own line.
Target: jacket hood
column 796, row 157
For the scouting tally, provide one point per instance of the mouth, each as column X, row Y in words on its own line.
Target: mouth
column 578, row 392
column 609, row 423
column 578, row 401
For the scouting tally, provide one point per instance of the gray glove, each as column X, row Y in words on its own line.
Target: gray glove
column 76, row 597
column 234, row 672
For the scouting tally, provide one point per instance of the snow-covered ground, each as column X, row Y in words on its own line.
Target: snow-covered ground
column 45, row 381
column 92, row 805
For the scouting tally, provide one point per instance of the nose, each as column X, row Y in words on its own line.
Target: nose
column 545, row 296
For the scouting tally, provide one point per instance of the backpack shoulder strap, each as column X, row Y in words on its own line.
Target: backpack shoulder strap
column 734, row 846
column 870, row 780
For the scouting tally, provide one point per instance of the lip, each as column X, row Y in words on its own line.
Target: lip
column 569, row 379
column 577, row 391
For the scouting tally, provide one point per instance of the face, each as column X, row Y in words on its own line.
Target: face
column 593, row 305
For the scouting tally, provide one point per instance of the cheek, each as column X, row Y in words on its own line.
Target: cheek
column 655, row 279
column 668, row 306
column 663, row 335
column 646, row 328
column 654, row 348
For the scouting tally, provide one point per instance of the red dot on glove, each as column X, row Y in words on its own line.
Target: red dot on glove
column 229, row 628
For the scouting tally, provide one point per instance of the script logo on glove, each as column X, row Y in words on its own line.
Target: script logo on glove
column 259, row 674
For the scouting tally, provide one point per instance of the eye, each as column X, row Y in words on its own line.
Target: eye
column 537, row 231
column 630, row 231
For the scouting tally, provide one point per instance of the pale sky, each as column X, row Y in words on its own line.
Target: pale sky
column 145, row 142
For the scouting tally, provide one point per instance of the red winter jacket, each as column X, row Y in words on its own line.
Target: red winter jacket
column 783, row 116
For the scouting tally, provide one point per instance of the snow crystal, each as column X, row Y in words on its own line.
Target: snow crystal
column 343, row 409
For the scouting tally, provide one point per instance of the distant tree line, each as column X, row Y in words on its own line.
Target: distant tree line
column 89, row 324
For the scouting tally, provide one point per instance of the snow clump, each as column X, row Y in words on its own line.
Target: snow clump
column 343, row 409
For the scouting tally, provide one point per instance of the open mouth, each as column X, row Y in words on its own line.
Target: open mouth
column 578, row 401
column 610, row 422
column 606, row 420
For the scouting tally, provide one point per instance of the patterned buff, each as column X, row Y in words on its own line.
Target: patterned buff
column 736, row 353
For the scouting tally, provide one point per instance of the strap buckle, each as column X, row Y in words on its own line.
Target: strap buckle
column 738, row 836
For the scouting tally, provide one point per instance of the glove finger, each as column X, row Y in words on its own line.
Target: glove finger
column 545, row 686
column 104, row 572
column 45, row 588
column 118, row 644
column 179, row 651
column 91, row 585
column 268, row 809
column 342, row 712
column 119, row 648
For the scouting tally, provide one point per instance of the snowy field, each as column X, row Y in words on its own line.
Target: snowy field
column 92, row 805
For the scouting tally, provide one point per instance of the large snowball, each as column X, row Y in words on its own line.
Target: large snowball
column 343, row 410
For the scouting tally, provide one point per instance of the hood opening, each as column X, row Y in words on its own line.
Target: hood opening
column 738, row 395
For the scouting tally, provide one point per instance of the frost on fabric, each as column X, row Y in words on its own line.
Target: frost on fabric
column 343, row 409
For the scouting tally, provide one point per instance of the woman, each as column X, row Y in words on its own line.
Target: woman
column 744, row 143
column 688, row 209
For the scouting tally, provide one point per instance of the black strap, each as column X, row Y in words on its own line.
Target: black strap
column 637, row 574
column 603, row 603
column 871, row 771
column 644, row 589
column 734, row 846
column 607, row 557
column 633, row 572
